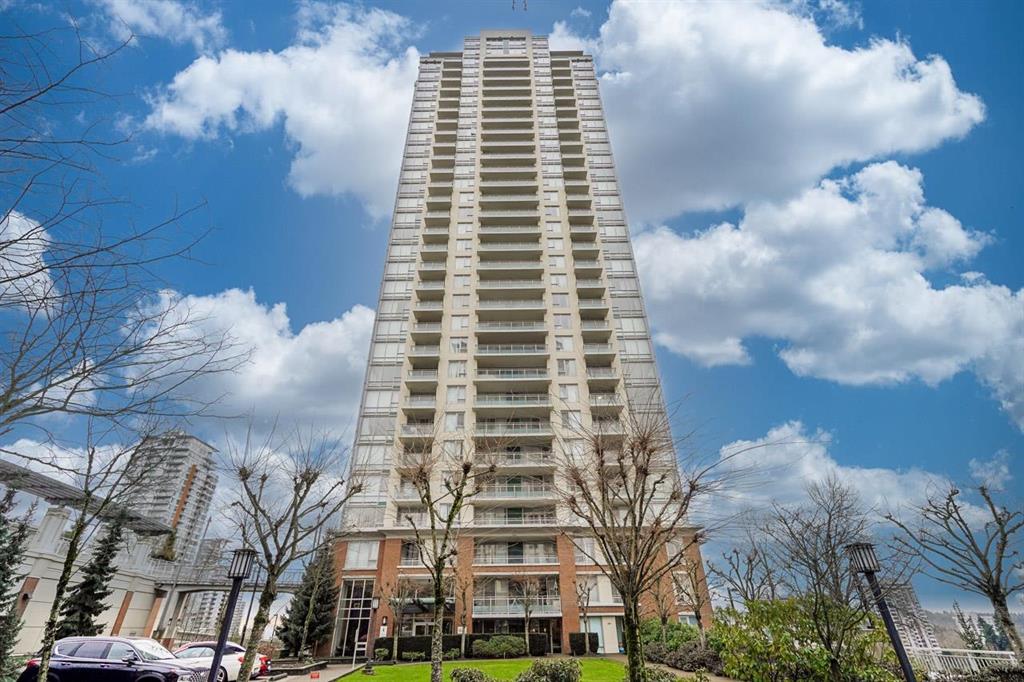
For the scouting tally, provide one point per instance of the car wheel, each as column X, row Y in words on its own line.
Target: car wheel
column 222, row 676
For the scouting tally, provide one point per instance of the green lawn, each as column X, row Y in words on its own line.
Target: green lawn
column 594, row 670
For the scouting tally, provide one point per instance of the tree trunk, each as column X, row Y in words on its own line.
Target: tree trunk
column 50, row 629
column 634, row 647
column 395, row 630
column 1002, row 616
column 259, row 624
column 586, row 634
column 700, row 628
column 436, row 632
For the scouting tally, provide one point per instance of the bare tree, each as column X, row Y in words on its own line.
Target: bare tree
column 527, row 590
column 808, row 549
column 690, row 588
column 625, row 483
column 747, row 573
column 974, row 550
column 584, row 586
column 399, row 595
column 665, row 604
column 286, row 492
column 444, row 477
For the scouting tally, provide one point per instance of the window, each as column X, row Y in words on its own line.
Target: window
column 466, row 198
column 456, row 369
column 456, row 395
column 555, row 244
column 559, row 280
column 460, row 344
column 563, row 343
column 551, row 196
column 566, row 368
column 460, row 301
column 454, row 421
column 569, row 392
column 556, row 261
column 462, row 280
column 560, row 300
column 464, row 244
column 460, row 322
column 563, row 321
column 362, row 554
column 554, row 227
column 465, row 228
column 463, row 262
column 572, row 419
column 551, row 211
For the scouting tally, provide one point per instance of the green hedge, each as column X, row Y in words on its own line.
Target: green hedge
column 421, row 643
column 576, row 643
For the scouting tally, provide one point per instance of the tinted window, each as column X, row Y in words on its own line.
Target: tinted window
column 231, row 649
column 66, row 648
column 92, row 650
column 152, row 650
column 118, row 651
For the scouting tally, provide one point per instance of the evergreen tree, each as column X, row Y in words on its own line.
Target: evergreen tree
column 84, row 602
column 995, row 638
column 308, row 620
column 14, row 535
column 965, row 628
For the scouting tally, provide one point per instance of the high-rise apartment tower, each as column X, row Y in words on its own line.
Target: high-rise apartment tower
column 510, row 309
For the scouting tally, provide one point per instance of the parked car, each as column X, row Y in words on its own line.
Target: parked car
column 234, row 654
column 115, row 659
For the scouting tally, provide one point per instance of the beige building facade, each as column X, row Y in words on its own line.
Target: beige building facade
column 510, row 311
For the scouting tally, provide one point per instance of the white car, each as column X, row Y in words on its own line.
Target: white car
column 201, row 653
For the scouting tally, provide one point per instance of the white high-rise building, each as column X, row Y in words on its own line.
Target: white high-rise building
column 510, row 312
column 183, row 482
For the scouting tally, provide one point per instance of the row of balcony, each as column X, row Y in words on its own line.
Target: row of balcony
column 427, row 350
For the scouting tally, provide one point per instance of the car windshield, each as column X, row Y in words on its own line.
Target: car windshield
column 152, row 650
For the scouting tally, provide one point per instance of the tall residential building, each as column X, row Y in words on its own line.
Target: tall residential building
column 910, row 618
column 180, row 469
column 510, row 310
column 203, row 613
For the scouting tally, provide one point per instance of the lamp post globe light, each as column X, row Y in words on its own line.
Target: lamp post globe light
column 241, row 567
column 864, row 560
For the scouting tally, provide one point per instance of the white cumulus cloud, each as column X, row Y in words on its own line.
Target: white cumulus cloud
column 342, row 93
column 310, row 376
column 839, row 275
column 178, row 22
column 714, row 104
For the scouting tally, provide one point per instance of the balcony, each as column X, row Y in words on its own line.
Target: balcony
column 504, row 231
column 437, row 217
column 421, row 377
column 508, row 216
column 524, row 247
column 513, row 607
column 516, row 376
column 503, row 427
column 515, row 559
column 590, row 285
column 522, row 459
column 513, row 400
column 495, row 184
column 602, row 378
column 599, row 351
column 422, row 430
column 516, row 517
column 421, row 351
column 512, row 349
column 519, row 304
column 512, row 284
column 510, row 265
column 600, row 373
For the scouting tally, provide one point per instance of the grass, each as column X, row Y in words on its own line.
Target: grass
column 594, row 670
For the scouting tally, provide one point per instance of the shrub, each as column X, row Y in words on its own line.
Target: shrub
column 451, row 654
column 413, row 655
column 560, row 670
column 652, row 674
column 382, row 654
column 576, row 643
column 690, row 657
column 470, row 675
column 1013, row 673
column 676, row 634
column 499, row 646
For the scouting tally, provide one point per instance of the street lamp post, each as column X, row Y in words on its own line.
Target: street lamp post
column 241, row 567
column 863, row 559
column 368, row 668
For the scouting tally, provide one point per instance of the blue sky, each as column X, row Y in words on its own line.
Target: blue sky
column 924, row 267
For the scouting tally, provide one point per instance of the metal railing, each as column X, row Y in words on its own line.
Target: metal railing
column 510, row 348
column 424, row 350
column 417, row 429
column 526, row 490
column 517, row 303
column 512, row 373
column 525, row 457
column 944, row 661
column 509, row 264
column 499, row 428
column 511, row 326
column 510, row 246
column 516, row 399
column 531, row 519
column 422, row 374
column 514, row 606
column 601, row 372
column 504, row 559
column 511, row 284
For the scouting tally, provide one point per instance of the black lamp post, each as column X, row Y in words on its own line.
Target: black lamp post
column 368, row 668
column 863, row 559
column 241, row 567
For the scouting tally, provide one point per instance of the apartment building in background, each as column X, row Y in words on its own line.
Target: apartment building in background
column 910, row 618
column 180, row 468
column 510, row 310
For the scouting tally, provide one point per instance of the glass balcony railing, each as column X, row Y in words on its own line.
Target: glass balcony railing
column 513, row 606
column 529, row 519
column 513, row 399
column 511, row 427
column 524, row 491
column 512, row 373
